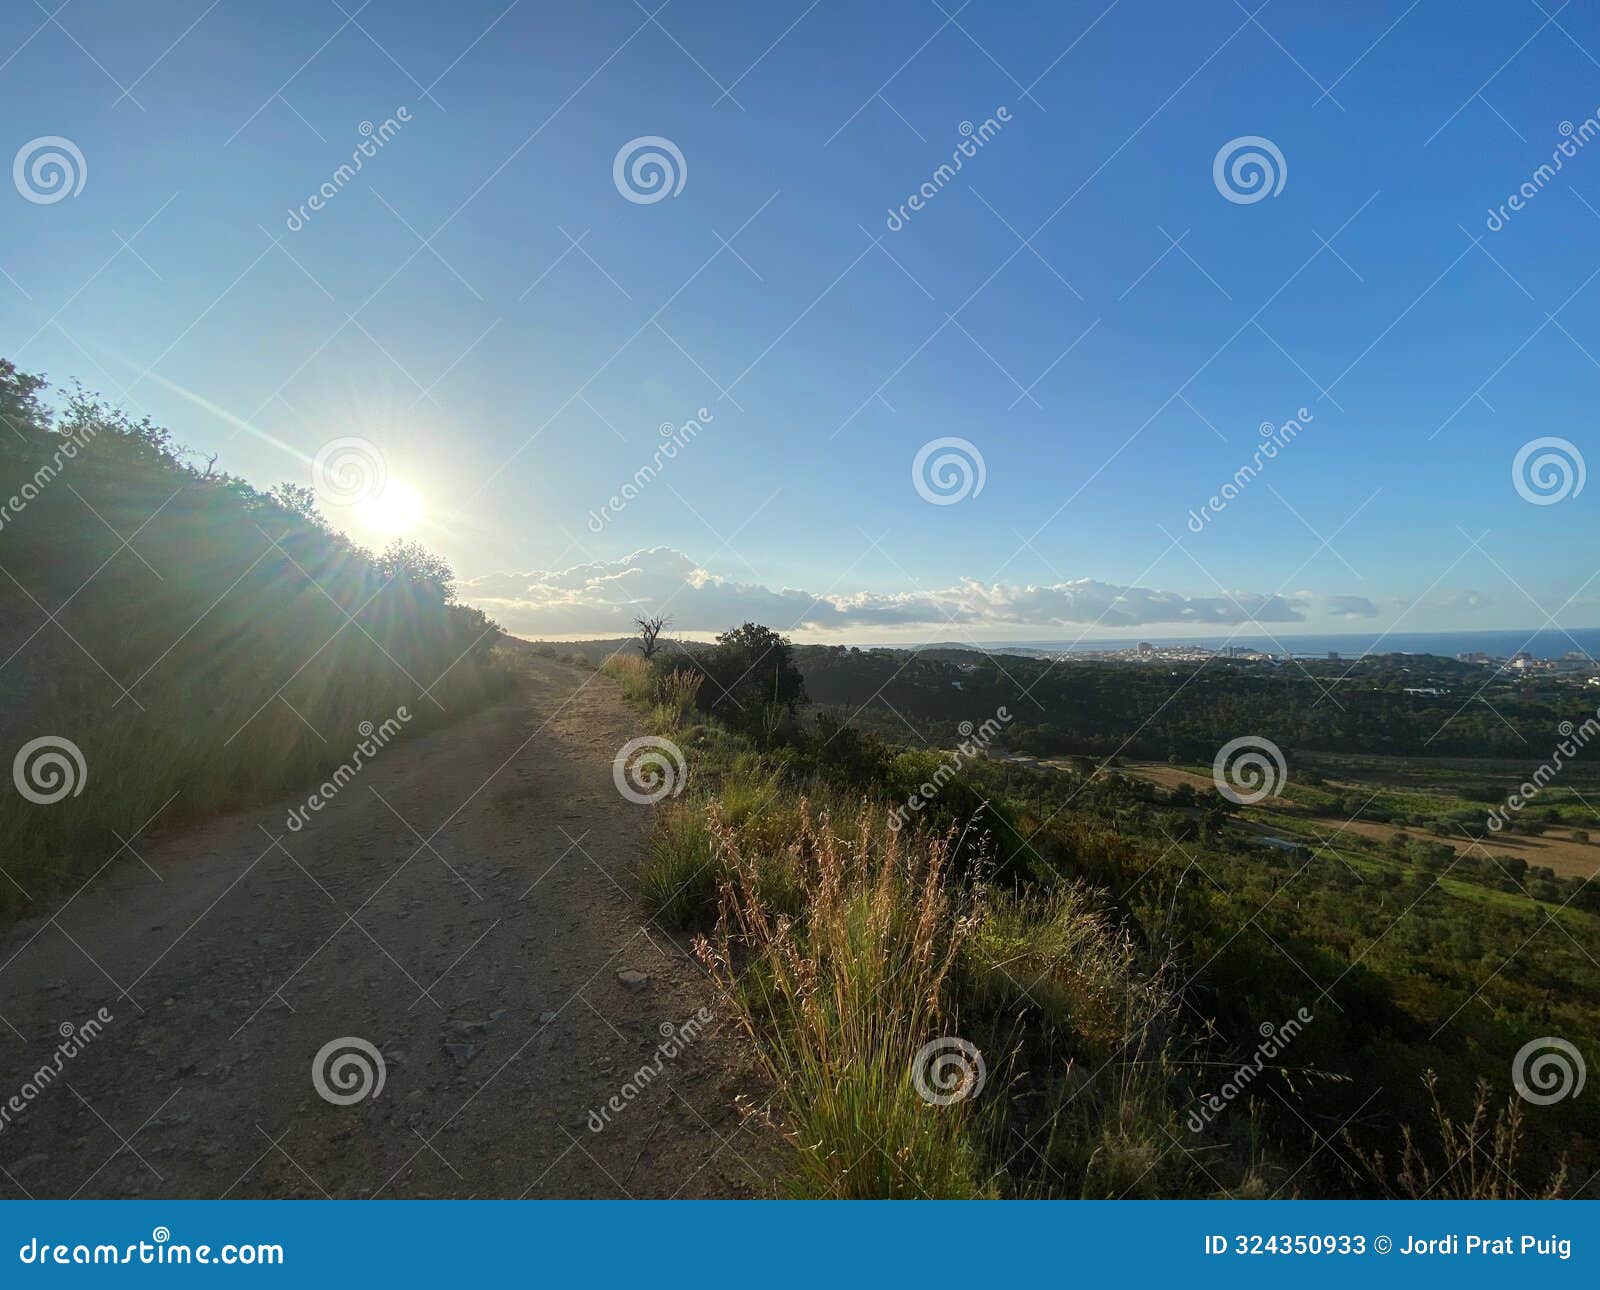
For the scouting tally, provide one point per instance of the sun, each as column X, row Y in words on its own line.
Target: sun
column 394, row 511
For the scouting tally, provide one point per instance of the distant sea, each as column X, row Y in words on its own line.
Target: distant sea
column 1544, row 643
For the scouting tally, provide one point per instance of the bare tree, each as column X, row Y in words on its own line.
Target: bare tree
column 649, row 630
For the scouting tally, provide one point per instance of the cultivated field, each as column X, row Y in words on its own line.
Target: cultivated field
column 1401, row 780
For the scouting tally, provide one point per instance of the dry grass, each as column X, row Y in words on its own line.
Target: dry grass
column 678, row 690
column 1479, row 1159
column 839, row 1001
column 844, row 947
column 637, row 678
column 668, row 696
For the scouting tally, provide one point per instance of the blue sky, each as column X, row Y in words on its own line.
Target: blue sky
column 1035, row 307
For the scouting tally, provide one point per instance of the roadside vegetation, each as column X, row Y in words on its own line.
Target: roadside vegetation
column 845, row 946
column 1114, row 950
column 201, row 643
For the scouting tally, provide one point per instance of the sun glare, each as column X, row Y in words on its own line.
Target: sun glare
column 394, row 511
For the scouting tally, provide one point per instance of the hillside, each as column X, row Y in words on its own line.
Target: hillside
column 174, row 641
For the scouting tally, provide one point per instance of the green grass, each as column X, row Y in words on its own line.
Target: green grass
column 678, row 880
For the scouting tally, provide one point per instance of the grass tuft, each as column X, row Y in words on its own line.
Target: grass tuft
column 839, row 1001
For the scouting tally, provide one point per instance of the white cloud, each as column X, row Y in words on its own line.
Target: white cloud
column 603, row 599
column 1452, row 601
column 1335, row 606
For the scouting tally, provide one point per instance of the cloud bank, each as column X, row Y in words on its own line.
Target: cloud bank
column 603, row 598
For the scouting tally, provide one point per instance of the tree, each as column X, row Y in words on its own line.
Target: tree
column 413, row 563
column 298, row 499
column 20, row 407
column 752, row 669
column 649, row 630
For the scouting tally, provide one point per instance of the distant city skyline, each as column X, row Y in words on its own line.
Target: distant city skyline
column 899, row 324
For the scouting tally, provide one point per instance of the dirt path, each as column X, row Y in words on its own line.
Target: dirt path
column 482, row 962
